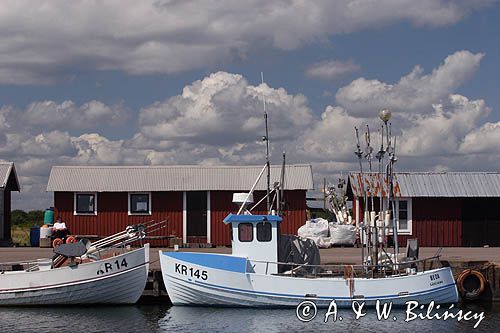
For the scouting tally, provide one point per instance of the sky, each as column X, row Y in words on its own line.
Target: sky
column 179, row 82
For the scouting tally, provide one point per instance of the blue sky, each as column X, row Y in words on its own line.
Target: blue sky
column 165, row 82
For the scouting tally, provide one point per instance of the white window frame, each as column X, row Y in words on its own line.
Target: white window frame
column 149, row 206
column 409, row 215
column 74, row 203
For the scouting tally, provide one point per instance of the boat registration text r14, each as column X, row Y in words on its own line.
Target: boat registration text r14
column 112, row 266
column 190, row 271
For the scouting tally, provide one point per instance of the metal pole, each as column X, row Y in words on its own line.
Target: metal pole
column 359, row 154
column 268, row 165
column 266, row 138
column 282, row 187
column 324, row 193
column 381, row 216
column 369, row 151
column 251, row 190
column 394, row 224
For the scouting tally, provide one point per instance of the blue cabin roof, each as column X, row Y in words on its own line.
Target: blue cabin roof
column 251, row 218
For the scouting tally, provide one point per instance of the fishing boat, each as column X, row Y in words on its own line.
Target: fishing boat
column 107, row 271
column 266, row 269
column 252, row 276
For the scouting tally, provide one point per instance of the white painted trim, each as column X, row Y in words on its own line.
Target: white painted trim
column 408, row 231
column 357, row 213
column 95, row 203
column 184, row 217
column 208, row 218
column 149, row 204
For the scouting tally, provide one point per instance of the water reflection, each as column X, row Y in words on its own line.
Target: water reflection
column 156, row 318
column 273, row 320
column 86, row 319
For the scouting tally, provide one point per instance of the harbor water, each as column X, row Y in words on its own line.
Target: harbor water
column 159, row 318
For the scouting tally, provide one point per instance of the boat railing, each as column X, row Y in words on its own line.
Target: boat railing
column 404, row 267
column 24, row 265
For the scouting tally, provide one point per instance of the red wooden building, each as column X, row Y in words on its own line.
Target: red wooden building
column 438, row 208
column 103, row 200
column 8, row 183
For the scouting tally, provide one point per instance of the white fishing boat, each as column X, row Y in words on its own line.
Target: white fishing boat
column 252, row 276
column 105, row 272
column 267, row 269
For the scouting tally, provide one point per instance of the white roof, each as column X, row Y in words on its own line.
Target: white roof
column 172, row 178
column 430, row 184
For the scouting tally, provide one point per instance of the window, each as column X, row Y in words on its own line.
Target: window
column 245, row 232
column 264, row 232
column 85, row 204
column 139, row 203
column 403, row 215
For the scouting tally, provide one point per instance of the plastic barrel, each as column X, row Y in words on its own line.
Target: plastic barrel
column 48, row 216
column 35, row 236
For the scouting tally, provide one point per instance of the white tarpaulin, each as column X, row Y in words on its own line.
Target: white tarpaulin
column 342, row 234
column 317, row 231
column 326, row 234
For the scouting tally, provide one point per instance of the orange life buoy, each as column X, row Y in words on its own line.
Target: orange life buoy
column 70, row 239
column 471, row 284
column 57, row 242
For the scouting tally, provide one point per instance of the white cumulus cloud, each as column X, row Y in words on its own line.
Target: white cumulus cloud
column 219, row 120
column 332, row 69
column 223, row 109
column 47, row 40
column 414, row 92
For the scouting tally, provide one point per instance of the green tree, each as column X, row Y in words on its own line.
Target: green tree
column 19, row 217
column 35, row 217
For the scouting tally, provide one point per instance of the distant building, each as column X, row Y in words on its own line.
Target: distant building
column 195, row 199
column 8, row 183
column 438, row 208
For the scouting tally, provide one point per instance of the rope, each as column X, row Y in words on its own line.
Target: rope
column 349, row 276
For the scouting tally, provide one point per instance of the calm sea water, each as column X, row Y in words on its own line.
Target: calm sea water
column 142, row 318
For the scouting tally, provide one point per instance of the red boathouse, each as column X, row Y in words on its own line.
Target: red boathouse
column 102, row 200
column 439, row 208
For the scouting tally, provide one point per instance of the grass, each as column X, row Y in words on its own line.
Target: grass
column 21, row 235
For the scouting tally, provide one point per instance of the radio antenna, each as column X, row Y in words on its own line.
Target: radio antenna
column 266, row 139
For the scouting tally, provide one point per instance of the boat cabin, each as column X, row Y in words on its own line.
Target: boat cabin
column 256, row 237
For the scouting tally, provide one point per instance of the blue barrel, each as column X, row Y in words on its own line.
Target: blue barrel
column 48, row 216
column 35, row 236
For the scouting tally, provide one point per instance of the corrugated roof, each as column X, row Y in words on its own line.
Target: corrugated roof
column 173, row 178
column 430, row 184
column 6, row 169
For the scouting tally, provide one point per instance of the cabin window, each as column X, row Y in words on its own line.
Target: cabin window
column 139, row 203
column 245, row 232
column 404, row 215
column 85, row 203
column 264, row 232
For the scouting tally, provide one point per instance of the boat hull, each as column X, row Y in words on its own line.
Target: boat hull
column 118, row 280
column 235, row 287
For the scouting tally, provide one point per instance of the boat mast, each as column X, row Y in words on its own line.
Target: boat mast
column 281, row 190
column 368, row 155
column 266, row 139
column 372, row 226
column 359, row 154
column 392, row 160
column 381, row 217
column 385, row 116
